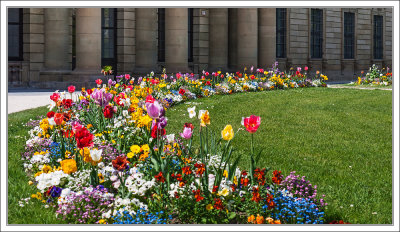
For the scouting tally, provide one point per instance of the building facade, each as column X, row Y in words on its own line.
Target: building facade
column 57, row 47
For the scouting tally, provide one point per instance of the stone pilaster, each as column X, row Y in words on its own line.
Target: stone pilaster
column 88, row 40
column 266, row 37
column 218, row 39
column 57, row 39
column 146, row 43
column 247, row 30
column 176, row 40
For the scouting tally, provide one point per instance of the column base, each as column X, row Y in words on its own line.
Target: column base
column 176, row 68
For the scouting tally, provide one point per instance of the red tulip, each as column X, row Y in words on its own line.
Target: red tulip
column 252, row 123
column 108, row 111
column 71, row 89
column 58, row 118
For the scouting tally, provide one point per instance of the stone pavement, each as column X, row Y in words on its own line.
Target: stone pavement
column 23, row 100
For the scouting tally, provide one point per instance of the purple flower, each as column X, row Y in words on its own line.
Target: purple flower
column 155, row 110
column 101, row 97
column 161, row 122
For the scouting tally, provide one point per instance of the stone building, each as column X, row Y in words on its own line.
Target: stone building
column 56, row 47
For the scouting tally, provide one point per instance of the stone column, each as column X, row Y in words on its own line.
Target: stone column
column 266, row 37
column 218, row 37
column 57, row 39
column 247, row 38
column 88, row 39
column 146, row 43
column 176, row 40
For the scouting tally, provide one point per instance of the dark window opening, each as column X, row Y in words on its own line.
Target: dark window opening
column 190, row 35
column 316, row 33
column 280, row 32
column 161, row 34
column 73, row 39
column 348, row 35
column 15, row 32
column 108, row 38
column 378, row 37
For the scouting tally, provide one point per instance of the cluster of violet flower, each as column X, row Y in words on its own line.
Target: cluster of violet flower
column 293, row 210
column 302, row 188
column 141, row 217
column 86, row 206
column 33, row 146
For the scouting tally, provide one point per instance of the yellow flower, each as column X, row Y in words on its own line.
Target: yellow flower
column 30, row 182
column 225, row 173
column 46, row 168
column 224, row 192
column 204, row 117
column 145, row 148
column 227, row 133
column 89, row 126
column 130, row 155
column 143, row 156
column 102, row 221
column 209, row 207
column 67, row 154
column 69, row 166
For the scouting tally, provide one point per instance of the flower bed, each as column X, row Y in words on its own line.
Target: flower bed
column 375, row 77
column 105, row 157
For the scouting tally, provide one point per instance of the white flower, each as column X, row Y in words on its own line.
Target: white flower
column 192, row 112
column 170, row 138
column 95, row 154
column 51, row 121
column 125, row 113
column 242, row 121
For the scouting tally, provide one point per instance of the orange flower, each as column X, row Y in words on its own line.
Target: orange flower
column 259, row 219
column 251, row 219
column 186, row 170
column 58, row 118
column 256, row 195
column 197, row 195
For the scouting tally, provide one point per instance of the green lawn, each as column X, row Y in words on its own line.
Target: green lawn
column 340, row 139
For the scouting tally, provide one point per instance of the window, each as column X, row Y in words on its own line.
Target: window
column 316, row 33
column 348, row 35
column 190, row 35
column 108, row 37
column 280, row 32
column 15, row 34
column 378, row 37
column 161, row 34
column 73, row 38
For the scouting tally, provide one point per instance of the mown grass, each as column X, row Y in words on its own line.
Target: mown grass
column 340, row 139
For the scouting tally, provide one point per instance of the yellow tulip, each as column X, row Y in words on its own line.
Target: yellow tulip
column 227, row 133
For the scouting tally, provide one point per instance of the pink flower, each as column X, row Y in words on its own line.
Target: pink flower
column 150, row 99
column 306, row 68
column 187, row 131
column 71, row 89
column 127, row 76
column 252, row 123
column 298, row 69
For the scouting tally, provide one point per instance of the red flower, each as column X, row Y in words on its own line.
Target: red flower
column 208, row 83
column 338, row 222
column 189, row 125
column 197, row 195
column 71, row 89
column 67, row 103
column 160, row 177
column 277, row 178
column 218, row 204
column 89, row 91
column 259, row 174
column 83, row 138
column 252, row 123
column 120, row 163
column 207, row 73
column 176, row 195
column 233, row 187
column 252, row 77
column 215, row 189
column 55, row 97
column 182, row 91
column 256, row 195
column 108, row 111
column 150, row 99
column 58, row 118
column 186, row 170
column 161, row 132
column 244, row 173
column 200, row 169
column 244, row 182
column 154, row 81
column 270, row 202
column 99, row 81
column 178, row 177
column 50, row 114
column 68, row 133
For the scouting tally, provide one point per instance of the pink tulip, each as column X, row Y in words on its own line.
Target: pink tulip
column 71, row 89
column 252, row 123
column 187, row 133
